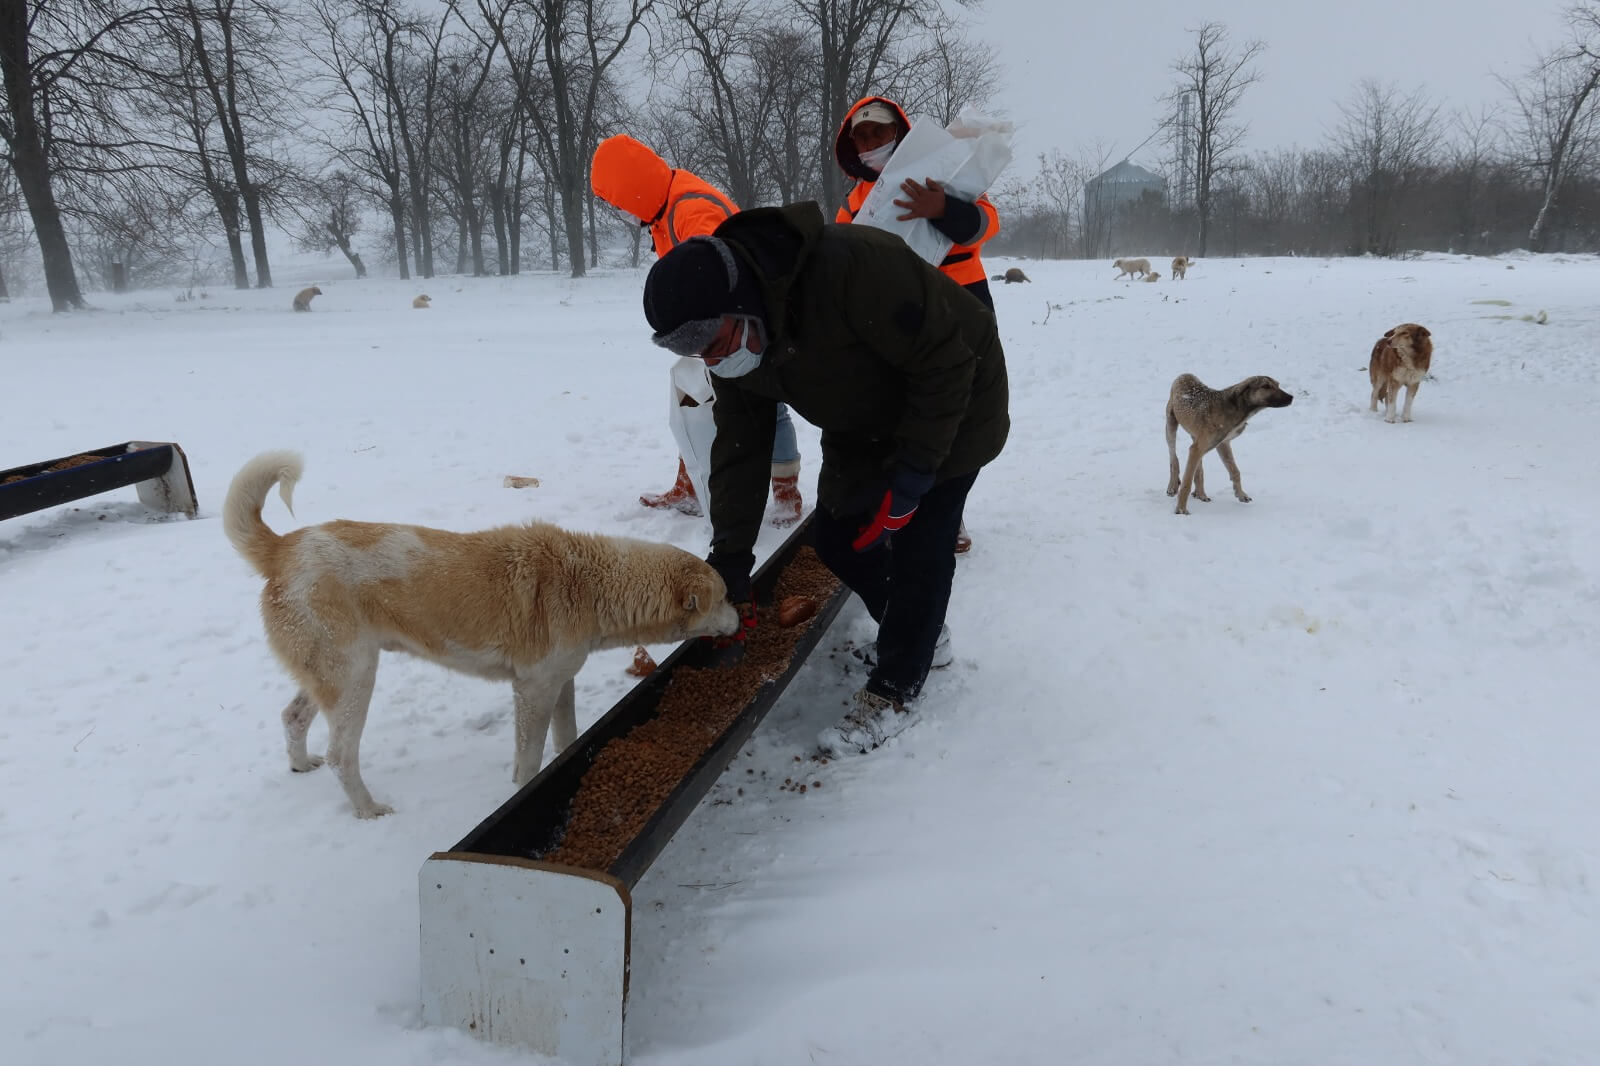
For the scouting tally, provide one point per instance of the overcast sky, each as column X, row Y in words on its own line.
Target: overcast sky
column 1074, row 74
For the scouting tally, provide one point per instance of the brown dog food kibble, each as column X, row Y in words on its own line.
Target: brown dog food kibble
column 633, row 774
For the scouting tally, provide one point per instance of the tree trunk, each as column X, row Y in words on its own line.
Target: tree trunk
column 258, row 231
column 397, row 215
column 30, row 160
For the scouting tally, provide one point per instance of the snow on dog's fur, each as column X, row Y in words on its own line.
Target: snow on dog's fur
column 525, row 604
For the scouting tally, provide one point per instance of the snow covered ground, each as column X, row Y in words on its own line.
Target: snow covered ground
column 1304, row 781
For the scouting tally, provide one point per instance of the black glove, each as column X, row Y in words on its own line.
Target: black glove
column 899, row 503
column 734, row 569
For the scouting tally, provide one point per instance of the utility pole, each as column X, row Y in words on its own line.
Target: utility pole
column 1185, row 196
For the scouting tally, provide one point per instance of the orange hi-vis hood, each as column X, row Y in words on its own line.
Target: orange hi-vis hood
column 844, row 149
column 675, row 204
column 630, row 177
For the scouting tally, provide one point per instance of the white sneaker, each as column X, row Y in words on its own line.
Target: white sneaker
column 943, row 656
column 872, row 721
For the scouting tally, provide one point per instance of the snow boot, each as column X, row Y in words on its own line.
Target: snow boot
column 680, row 497
column 786, row 501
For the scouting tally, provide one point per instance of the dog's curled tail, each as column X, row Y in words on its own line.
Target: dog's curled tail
column 241, row 512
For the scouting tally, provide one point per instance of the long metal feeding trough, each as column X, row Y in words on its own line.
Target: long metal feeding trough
column 159, row 470
column 517, row 949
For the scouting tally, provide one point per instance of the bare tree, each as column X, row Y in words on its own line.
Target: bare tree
column 939, row 71
column 468, row 125
column 726, row 101
column 1471, row 158
column 855, row 40
column 60, row 62
column 1559, row 106
column 1388, row 141
column 360, row 48
column 236, row 68
column 573, row 43
column 1213, row 78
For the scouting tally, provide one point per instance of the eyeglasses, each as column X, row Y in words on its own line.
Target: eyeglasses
column 746, row 329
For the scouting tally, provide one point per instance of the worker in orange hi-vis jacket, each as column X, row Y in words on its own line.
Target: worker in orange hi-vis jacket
column 677, row 205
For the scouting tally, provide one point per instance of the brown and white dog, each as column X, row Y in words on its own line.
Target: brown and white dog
column 422, row 301
column 1401, row 357
column 1012, row 276
column 1213, row 417
column 524, row 604
column 1180, row 267
column 1130, row 267
column 302, row 299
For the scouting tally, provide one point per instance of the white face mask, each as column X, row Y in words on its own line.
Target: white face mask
column 744, row 360
column 878, row 156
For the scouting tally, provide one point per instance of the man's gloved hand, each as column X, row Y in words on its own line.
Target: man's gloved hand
column 734, row 569
column 899, row 503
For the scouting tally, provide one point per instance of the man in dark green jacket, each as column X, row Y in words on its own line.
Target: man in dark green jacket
column 902, row 370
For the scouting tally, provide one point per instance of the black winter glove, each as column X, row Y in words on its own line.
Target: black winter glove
column 734, row 568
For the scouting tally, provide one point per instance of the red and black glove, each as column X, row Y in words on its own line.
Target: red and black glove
column 899, row 503
column 734, row 569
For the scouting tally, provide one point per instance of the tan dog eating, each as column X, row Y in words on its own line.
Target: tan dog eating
column 525, row 604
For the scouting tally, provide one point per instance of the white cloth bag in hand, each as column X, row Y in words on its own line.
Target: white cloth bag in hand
column 965, row 158
column 694, row 426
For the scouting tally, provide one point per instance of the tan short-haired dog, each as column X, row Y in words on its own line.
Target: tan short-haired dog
column 1401, row 357
column 302, row 299
column 1154, row 275
column 422, row 301
column 1180, row 267
column 1213, row 417
column 524, row 604
column 1130, row 267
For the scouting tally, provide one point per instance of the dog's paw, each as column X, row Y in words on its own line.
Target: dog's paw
column 1202, row 497
column 310, row 763
column 1242, row 497
column 377, row 810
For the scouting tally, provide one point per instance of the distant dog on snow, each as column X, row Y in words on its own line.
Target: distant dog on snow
column 1130, row 267
column 1213, row 417
column 1014, row 274
column 1180, row 267
column 1401, row 357
column 422, row 301
column 302, row 299
column 1154, row 275
column 524, row 604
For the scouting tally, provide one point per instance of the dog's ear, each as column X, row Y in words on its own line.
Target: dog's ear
column 1422, row 331
column 1388, row 333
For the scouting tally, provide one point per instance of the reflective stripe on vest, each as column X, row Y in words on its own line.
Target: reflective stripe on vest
column 672, row 232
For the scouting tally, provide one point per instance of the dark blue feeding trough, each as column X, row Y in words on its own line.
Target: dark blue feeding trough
column 160, row 471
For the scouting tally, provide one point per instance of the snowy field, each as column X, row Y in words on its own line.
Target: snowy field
column 1308, row 780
